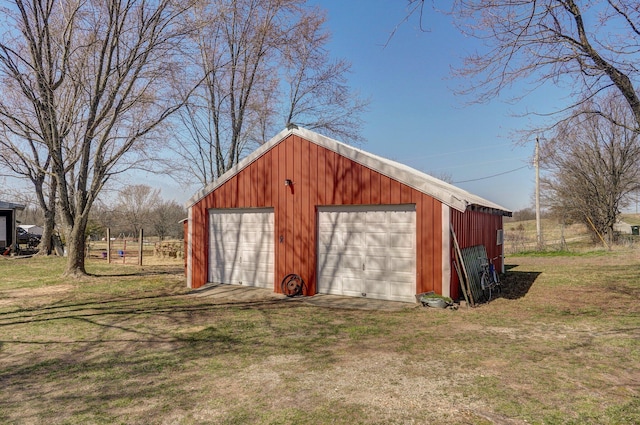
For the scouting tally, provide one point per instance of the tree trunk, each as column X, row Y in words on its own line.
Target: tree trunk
column 75, row 246
column 46, row 242
column 48, row 205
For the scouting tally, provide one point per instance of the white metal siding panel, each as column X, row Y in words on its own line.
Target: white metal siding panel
column 241, row 249
column 368, row 251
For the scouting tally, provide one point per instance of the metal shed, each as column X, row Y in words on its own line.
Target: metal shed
column 347, row 221
column 8, row 237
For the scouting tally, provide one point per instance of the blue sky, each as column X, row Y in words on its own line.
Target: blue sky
column 414, row 116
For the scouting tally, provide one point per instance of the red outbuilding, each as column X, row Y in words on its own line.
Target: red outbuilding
column 346, row 221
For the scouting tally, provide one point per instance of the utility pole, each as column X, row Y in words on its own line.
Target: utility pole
column 536, row 164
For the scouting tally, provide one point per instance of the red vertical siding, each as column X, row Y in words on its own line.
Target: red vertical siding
column 185, row 229
column 365, row 180
column 428, row 243
column 321, row 171
column 374, row 188
column 385, row 190
column 322, row 177
column 394, row 191
column 199, row 257
column 475, row 228
column 405, row 194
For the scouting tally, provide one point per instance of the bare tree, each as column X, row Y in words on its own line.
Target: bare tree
column 23, row 152
column 590, row 47
column 165, row 219
column 316, row 86
column 234, row 47
column 27, row 158
column 97, row 79
column 594, row 167
column 135, row 204
column 263, row 65
column 103, row 214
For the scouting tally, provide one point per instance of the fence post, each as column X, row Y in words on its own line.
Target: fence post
column 140, row 248
column 108, row 245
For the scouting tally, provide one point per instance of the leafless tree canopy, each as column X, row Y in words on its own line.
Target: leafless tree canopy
column 316, row 86
column 262, row 64
column 134, row 206
column 89, row 87
column 595, row 167
column 137, row 207
column 590, row 46
column 88, row 83
column 165, row 220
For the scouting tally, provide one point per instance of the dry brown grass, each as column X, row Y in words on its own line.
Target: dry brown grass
column 521, row 236
column 131, row 345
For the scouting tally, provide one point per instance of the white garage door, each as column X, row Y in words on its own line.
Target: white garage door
column 368, row 251
column 241, row 247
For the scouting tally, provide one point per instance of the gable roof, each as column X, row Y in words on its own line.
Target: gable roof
column 446, row 193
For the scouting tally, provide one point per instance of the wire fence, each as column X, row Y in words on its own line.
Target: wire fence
column 131, row 251
column 557, row 237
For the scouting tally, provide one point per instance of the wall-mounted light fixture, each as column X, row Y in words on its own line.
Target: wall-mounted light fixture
column 287, row 182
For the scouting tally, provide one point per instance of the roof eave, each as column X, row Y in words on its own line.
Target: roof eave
column 11, row 206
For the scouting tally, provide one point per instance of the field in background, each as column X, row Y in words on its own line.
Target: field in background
column 520, row 236
column 633, row 219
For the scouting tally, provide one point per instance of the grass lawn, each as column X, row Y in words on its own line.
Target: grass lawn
column 130, row 345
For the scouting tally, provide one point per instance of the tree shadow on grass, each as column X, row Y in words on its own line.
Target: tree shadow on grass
column 152, row 304
column 143, row 271
column 120, row 366
column 516, row 285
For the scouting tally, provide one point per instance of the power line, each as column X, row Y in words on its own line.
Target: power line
column 494, row 175
column 480, row 148
column 476, row 163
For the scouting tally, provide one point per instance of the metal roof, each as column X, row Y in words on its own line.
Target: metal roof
column 446, row 193
column 10, row 206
